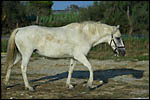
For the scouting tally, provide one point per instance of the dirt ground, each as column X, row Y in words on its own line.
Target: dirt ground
column 123, row 79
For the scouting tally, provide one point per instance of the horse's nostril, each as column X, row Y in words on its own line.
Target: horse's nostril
column 122, row 52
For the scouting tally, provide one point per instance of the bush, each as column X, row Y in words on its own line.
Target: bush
column 59, row 19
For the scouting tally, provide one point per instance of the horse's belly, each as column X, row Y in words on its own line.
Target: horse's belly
column 56, row 50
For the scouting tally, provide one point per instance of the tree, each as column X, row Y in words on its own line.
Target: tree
column 72, row 8
column 40, row 8
column 93, row 12
column 133, row 16
column 12, row 13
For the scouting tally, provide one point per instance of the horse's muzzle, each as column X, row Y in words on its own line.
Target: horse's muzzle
column 121, row 51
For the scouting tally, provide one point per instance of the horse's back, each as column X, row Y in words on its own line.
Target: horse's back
column 52, row 42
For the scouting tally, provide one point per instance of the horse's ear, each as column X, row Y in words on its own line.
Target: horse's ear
column 115, row 29
column 118, row 26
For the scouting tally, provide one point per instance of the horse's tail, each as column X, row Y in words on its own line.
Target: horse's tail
column 11, row 49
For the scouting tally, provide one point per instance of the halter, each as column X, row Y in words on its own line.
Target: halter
column 116, row 47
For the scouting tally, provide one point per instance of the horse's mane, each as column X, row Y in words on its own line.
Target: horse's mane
column 82, row 23
column 90, row 22
column 93, row 27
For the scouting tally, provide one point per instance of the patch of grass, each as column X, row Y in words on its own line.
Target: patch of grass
column 137, row 49
column 141, row 58
column 4, row 45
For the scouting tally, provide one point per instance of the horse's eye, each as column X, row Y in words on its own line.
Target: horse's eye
column 118, row 38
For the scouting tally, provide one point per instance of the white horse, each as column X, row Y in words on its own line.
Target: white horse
column 73, row 41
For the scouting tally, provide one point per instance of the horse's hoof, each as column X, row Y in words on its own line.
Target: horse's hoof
column 87, row 84
column 101, row 82
column 91, row 87
column 30, row 88
column 69, row 86
column 6, row 83
column 6, row 87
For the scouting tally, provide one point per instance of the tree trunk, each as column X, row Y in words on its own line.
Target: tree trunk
column 37, row 20
column 130, row 22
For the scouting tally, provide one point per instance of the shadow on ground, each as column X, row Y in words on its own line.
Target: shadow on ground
column 103, row 75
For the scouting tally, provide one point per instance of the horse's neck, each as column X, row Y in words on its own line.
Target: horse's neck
column 101, row 39
column 89, row 35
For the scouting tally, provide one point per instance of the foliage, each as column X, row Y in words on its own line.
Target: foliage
column 4, row 44
column 11, row 15
column 17, row 14
column 59, row 19
column 115, row 12
column 72, row 8
column 137, row 48
column 40, row 8
column 109, row 12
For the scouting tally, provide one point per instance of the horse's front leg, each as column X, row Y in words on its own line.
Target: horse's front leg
column 81, row 58
column 71, row 67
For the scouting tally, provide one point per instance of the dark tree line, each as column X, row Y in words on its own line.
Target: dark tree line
column 20, row 13
column 132, row 16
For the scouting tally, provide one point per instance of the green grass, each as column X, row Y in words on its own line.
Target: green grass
column 136, row 49
column 4, row 45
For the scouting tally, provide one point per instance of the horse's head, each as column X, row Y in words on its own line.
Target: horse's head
column 116, row 42
column 100, row 33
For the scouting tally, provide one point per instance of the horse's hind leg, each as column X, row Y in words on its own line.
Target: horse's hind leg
column 8, row 74
column 18, row 58
column 71, row 67
column 25, row 60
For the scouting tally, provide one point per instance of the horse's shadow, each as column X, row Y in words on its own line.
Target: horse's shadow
column 103, row 75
